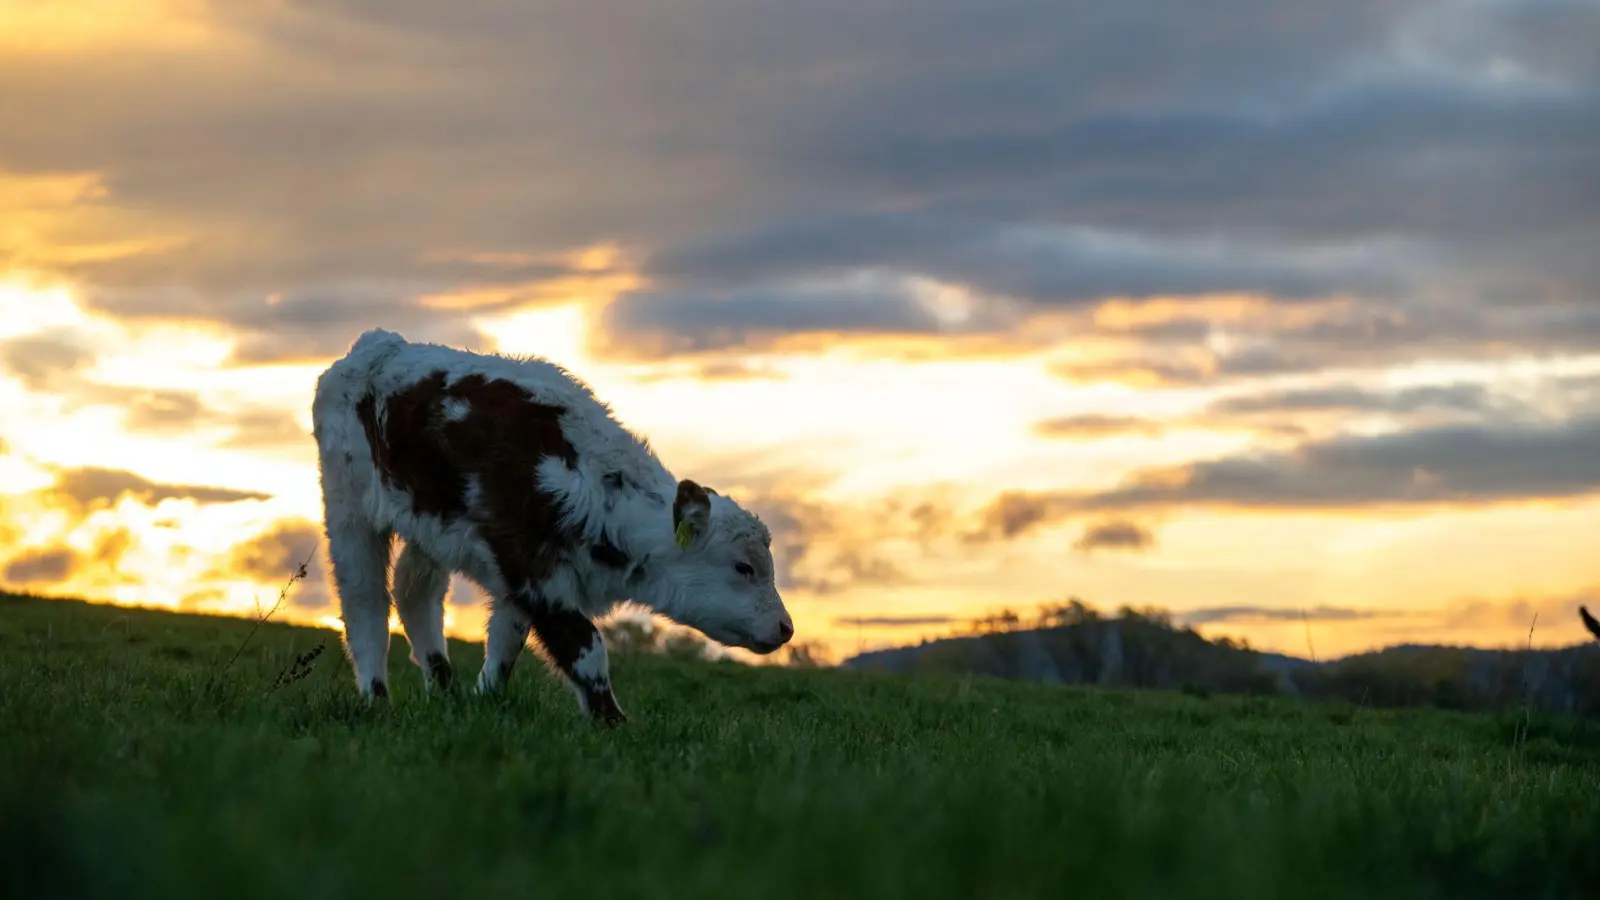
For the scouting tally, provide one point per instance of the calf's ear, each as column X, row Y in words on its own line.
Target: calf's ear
column 691, row 513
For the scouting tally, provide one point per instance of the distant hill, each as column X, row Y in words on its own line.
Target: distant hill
column 1144, row 649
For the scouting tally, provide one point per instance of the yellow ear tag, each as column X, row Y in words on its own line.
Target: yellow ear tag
column 683, row 535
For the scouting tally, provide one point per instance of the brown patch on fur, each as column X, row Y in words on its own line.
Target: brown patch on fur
column 500, row 442
column 440, row 671
column 690, row 498
column 688, row 494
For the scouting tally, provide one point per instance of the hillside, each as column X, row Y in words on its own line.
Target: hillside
column 137, row 762
column 1144, row 649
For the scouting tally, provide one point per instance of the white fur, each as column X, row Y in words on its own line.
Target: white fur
column 696, row 587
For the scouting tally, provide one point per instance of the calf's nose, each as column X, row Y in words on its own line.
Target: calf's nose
column 785, row 630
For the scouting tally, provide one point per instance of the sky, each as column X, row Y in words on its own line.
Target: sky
column 1283, row 316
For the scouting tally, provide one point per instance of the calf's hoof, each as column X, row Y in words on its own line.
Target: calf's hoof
column 441, row 676
column 605, row 712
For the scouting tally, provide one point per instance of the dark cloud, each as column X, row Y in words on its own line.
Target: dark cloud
column 1095, row 426
column 667, row 324
column 1252, row 173
column 1342, row 398
column 46, row 566
column 1458, row 464
column 1413, row 154
column 1186, row 346
column 1212, row 615
column 1043, row 265
column 309, row 324
column 90, row 486
column 1115, row 534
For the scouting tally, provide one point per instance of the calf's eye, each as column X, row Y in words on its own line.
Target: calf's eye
column 745, row 569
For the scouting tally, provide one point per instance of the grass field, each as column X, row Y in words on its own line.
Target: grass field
column 137, row 763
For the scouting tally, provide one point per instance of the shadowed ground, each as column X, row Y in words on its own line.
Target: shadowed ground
column 135, row 763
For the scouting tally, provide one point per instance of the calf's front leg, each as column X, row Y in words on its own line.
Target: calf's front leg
column 576, row 648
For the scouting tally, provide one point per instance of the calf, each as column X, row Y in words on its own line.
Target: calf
column 512, row 473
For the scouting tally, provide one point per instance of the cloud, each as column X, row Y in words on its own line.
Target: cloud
column 733, row 370
column 1115, row 534
column 1516, row 615
column 662, row 324
column 1044, row 265
column 156, row 410
column 91, row 486
column 1475, row 464
column 1040, row 157
column 892, row 621
column 1014, row 513
column 1341, row 398
column 823, row 549
column 42, row 566
column 313, row 323
column 1212, row 615
column 59, row 563
column 1134, row 371
column 40, row 360
column 267, row 428
column 1089, row 427
column 276, row 554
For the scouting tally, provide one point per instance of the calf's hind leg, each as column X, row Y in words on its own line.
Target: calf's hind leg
column 419, row 587
column 506, row 639
column 360, row 558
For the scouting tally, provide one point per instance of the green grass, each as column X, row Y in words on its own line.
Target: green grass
column 133, row 765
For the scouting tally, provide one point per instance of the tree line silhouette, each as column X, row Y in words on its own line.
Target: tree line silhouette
column 1073, row 643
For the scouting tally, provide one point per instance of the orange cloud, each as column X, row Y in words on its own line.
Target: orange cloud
column 273, row 556
column 47, row 566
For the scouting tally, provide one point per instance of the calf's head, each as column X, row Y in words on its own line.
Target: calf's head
column 719, row 577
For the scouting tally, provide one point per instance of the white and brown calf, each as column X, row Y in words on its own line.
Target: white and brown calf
column 512, row 473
